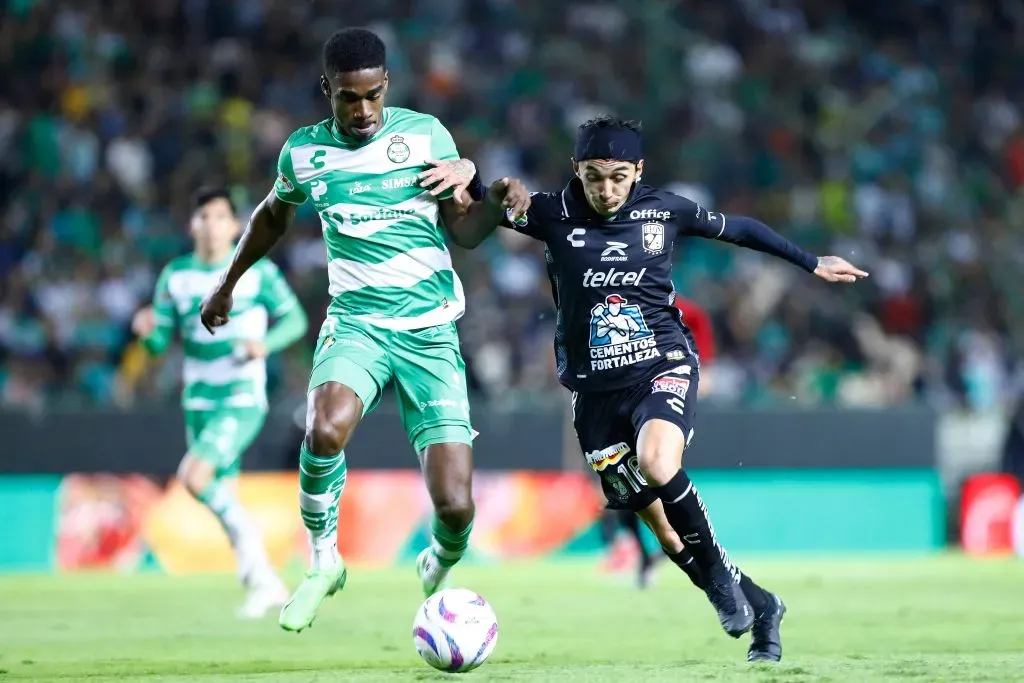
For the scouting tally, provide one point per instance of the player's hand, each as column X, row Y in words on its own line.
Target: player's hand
column 454, row 174
column 253, row 349
column 144, row 322
column 511, row 194
column 216, row 308
column 835, row 269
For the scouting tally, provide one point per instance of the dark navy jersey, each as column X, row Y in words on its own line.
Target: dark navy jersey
column 611, row 279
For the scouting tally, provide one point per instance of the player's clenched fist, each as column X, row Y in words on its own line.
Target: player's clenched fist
column 216, row 309
column 511, row 194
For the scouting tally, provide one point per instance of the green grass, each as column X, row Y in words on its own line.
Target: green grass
column 940, row 619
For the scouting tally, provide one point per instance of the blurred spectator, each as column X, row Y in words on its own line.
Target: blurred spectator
column 890, row 133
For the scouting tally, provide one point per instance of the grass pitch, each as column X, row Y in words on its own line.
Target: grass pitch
column 938, row 619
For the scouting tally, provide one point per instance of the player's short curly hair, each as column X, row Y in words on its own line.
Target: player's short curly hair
column 612, row 122
column 208, row 193
column 353, row 49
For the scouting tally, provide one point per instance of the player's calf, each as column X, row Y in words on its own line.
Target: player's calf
column 660, row 445
column 448, row 470
column 199, row 478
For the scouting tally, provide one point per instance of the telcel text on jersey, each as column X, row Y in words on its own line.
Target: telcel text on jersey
column 612, row 282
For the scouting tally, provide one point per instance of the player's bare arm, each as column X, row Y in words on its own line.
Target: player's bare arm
column 454, row 174
column 269, row 221
column 469, row 224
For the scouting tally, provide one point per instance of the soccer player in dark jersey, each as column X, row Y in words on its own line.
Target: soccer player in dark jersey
column 630, row 362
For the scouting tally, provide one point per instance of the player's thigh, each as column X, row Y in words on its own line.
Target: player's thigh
column 606, row 438
column 663, row 419
column 430, row 379
column 225, row 436
column 353, row 355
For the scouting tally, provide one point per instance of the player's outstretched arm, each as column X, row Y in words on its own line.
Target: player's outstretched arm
column 269, row 221
column 753, row 234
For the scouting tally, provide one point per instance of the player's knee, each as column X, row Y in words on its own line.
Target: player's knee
column 659, row 462
column 455, row 509
column 195, row 475
column 326, row 437
column 330, row 421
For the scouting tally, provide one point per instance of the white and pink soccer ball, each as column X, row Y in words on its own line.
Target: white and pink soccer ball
column 455, row 630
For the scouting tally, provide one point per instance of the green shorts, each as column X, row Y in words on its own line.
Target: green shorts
column 220, row 437
column 425, row 364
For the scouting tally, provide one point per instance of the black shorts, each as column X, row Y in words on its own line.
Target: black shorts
column 607, row 424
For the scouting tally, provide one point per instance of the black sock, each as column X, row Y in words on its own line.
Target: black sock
column 688, row 516
column 609, row 525
column 760, row 600
column 684, row 560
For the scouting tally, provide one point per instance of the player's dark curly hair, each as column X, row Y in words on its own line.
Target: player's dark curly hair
column 353, row 49
column 612, row 122
column 206, row 194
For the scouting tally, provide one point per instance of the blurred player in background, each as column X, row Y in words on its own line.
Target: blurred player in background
column 224, row 395
column 395, row 300
column 622, row 551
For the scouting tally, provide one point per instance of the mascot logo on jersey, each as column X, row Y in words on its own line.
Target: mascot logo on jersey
column 619, row 335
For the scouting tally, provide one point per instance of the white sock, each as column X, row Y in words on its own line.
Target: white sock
column 323, row 552
column 323, row 538
column 242, row 532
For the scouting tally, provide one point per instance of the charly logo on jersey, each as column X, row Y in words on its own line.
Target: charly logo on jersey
column 398, row 150
column 654, row 237
column 619, row 335
column 616, row 251
column 576, row 232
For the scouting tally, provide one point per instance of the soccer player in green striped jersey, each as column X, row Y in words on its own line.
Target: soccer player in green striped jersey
column 394, row 300
column 224, row 396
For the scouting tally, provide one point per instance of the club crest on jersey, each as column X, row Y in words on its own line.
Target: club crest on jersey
column 619, row 335
column 654, row 237
column 398, row 150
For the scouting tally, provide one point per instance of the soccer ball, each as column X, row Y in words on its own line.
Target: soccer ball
column 455, row 630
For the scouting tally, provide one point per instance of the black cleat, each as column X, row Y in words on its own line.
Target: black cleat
column 734, row 611
column 766, row 636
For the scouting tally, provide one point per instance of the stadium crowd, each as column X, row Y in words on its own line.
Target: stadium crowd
column 890, row 133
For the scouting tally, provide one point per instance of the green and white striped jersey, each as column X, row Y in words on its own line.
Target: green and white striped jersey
column 214, row 376
column 388, row 264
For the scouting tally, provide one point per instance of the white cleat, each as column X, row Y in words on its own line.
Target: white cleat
column 432, row 573
column 266, row 595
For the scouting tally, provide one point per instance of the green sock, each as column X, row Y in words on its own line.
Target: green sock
column 448, row 545
column 321, row 481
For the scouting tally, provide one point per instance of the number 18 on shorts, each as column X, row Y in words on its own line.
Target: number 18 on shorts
column 607, row 424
